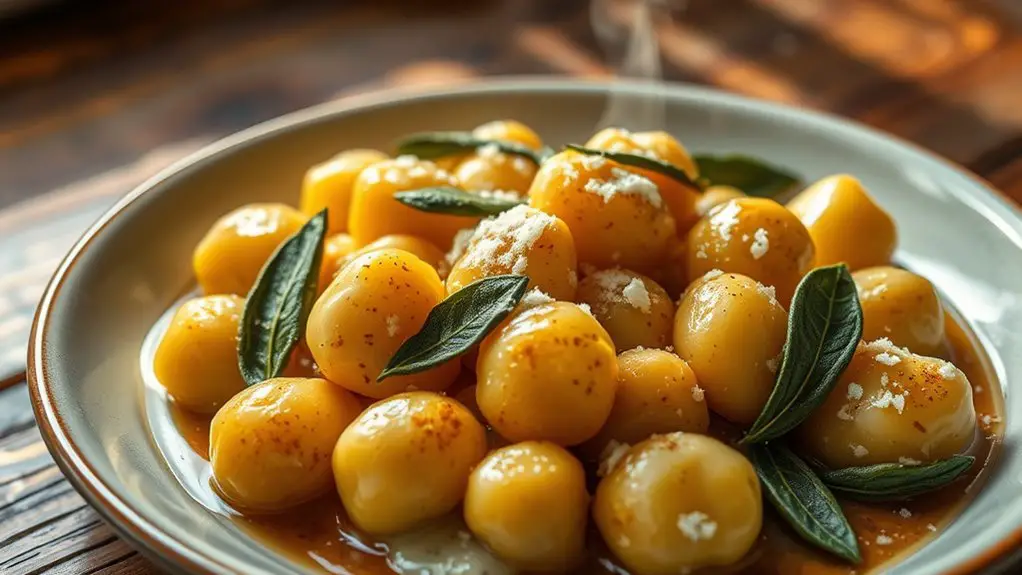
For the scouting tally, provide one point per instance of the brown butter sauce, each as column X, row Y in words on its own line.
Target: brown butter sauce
column 319, row 534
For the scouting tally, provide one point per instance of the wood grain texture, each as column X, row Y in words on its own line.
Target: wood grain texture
column 97, row 96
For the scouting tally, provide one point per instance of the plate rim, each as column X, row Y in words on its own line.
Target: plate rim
column 175, row 554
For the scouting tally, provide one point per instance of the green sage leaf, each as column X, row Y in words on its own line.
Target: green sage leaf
column 432, row 145
column 894, row 481
column 457, row 323
column 455, row 201
column 804, row 501
column 750, row 175
column 824, row 327
column 279, row 303
column 639, row 161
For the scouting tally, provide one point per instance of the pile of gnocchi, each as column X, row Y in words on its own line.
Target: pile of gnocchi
column 603, row 347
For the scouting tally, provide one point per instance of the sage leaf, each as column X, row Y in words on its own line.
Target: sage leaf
column 824, row 327
column 455, row 201
column 432, row 145
column 750, row 175
column 456, row 324
column 803, row 500
column 639, row 161
column 894, row 481
column 279, row 303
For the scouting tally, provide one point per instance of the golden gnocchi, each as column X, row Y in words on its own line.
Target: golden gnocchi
column 526, row 339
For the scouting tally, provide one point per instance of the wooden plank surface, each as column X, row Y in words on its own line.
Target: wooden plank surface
column 97, row 96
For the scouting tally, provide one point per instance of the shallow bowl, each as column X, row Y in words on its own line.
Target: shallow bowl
column 136, row 260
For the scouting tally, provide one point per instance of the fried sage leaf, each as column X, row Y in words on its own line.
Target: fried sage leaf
column 824, row 327
column 804, row 501
column 455, row 201
column 639, row 161
column 750, row 175
column 279, row 303
column 894, row 481
column 457, row 323
column 432, row 145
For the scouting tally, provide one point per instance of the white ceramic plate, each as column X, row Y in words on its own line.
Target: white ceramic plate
column 123, row 274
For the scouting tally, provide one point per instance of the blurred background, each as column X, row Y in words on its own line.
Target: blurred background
column 96, row 96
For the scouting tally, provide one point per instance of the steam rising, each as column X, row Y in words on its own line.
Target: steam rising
column 626, row 29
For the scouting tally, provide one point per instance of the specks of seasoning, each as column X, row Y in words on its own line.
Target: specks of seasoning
column 697, row 526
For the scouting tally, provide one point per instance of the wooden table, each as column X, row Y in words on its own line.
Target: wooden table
column 96, row 96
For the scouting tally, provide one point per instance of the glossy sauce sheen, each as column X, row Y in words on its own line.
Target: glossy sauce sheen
column 319, row 534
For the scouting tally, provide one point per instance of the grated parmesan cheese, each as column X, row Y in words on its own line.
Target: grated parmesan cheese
column 844, row 413
column 858, row 450
column 635, row 293
column 393, row 325
column 460, row 244
column 698, row 393
column 908, row 461
column 887, row 359
column 593, row 163
column 509, row 195
column 884, row 345
column 884, row 540
column 888, row 399
column 760, row 244
column 697, row 526
column 725, row 219
column 534, row 297
column 612, row 454
column 905, row 513
column 854, row 391
column 502, row 244
column 712, row 274
column 585, row 307
column 768, row 292
column 625, row 182
column 947, row 370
